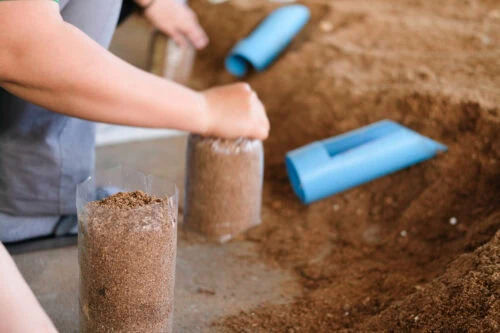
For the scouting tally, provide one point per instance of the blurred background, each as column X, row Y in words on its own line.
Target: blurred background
column 131, row 42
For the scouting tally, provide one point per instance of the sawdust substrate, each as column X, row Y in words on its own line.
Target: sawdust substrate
column 127, row 251
column 415, row 250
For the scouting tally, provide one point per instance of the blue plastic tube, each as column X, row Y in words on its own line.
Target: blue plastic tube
column 268, row 40
column 327, row 167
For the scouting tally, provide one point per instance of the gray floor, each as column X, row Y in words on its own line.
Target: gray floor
column 212, row 280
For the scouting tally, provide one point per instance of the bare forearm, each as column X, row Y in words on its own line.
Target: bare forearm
column 20, row 311
column 58, row 67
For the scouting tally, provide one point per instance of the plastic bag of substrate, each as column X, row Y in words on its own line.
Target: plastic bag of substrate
column 170, row 60
column 223, row 186
column 127, row 253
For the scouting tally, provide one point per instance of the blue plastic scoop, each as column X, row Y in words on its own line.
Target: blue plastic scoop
column 327, row 167
column 268, row 40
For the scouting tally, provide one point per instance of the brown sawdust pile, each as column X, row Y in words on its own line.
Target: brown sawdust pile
column 128, row 200
column 388, row 255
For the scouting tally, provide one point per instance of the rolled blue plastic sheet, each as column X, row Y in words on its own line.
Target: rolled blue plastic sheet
column 330, row 166
column 268, row 40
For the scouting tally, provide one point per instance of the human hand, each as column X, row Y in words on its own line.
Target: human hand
column 235, row 111
column 176, row 20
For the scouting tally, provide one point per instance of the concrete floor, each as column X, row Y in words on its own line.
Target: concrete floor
column 212, row 280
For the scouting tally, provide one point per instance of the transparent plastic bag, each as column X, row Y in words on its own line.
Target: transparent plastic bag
column 171, row 61
column 223, row 186
column 127, row 252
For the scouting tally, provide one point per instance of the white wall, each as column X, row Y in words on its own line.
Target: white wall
column 112, row 134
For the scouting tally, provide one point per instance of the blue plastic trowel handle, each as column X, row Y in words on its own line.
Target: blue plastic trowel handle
column 326, row 167
column 268, row 40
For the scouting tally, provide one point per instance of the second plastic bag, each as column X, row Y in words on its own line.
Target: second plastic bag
column 223, row 186
column 171, row 61
column 127, row 252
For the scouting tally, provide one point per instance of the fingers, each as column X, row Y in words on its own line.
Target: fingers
column 192, row 29
column 196, row 35
column 178, row 38
column 178, row 21
column 245, row 86
column 258, row 127
column 261, row 124
column 236, row 111
column 174, row 33
column 260, row 132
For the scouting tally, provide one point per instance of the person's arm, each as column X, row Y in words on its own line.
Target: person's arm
column 53, row 64
column 175, row 19
column 19, row 310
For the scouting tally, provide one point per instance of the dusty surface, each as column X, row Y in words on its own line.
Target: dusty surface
column 381, row 256
column 211, row 281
